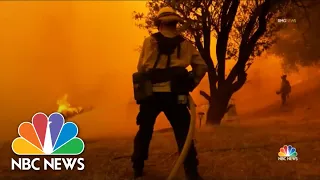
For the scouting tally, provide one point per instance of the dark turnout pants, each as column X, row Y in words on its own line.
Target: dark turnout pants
column 284, row 97
column 179, row 118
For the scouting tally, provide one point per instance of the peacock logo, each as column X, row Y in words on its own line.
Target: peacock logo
column 48, row 136
column 287, row 152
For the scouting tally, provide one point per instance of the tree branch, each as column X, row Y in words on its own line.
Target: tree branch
column 198, row 44
column 224, row 11
column 205, row 95
column 242, row 78
column 249, row 27
column 229, row 11
column 247, row 44
column 262, row 24
column 206, row 29
column 300, row 4
column 205, row 56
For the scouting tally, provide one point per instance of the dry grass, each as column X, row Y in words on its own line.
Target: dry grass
column 226, row 152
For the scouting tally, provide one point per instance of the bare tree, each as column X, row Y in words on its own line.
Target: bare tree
column 242, row 29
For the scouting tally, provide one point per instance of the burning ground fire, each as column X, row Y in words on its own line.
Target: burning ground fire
column 65, row 108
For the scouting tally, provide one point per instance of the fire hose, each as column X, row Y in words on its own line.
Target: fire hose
column 192, row 125
column 188, row 141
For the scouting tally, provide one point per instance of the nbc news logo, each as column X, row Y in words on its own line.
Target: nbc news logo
column 48, row 136
column 284, row 20
column 287, row 153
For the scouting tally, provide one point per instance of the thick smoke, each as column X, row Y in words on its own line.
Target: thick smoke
column 84, row 49
column 300, row 41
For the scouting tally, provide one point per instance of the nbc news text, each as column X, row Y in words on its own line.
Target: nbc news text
column 287, row 158
column 56, row 164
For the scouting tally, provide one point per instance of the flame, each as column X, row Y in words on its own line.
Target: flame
column 64, row 107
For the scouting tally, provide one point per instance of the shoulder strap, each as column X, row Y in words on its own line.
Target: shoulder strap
column 158, row 36
column 179, row 39
column 167, row 46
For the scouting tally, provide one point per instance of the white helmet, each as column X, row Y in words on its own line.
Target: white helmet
column 167, row 14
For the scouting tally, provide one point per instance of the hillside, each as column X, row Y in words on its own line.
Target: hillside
column 303, row 103
column 246, row 148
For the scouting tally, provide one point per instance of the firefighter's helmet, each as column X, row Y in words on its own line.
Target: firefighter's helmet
column 167, row 14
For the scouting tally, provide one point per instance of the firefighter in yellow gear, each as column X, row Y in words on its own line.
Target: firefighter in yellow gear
column 162, row 84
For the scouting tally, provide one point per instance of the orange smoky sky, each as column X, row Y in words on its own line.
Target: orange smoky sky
column 84, row 49
column 87, row 50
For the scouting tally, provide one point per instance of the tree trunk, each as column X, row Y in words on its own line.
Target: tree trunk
column 218, row 106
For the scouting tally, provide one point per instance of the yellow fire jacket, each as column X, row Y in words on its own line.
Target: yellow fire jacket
column 188, row 56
